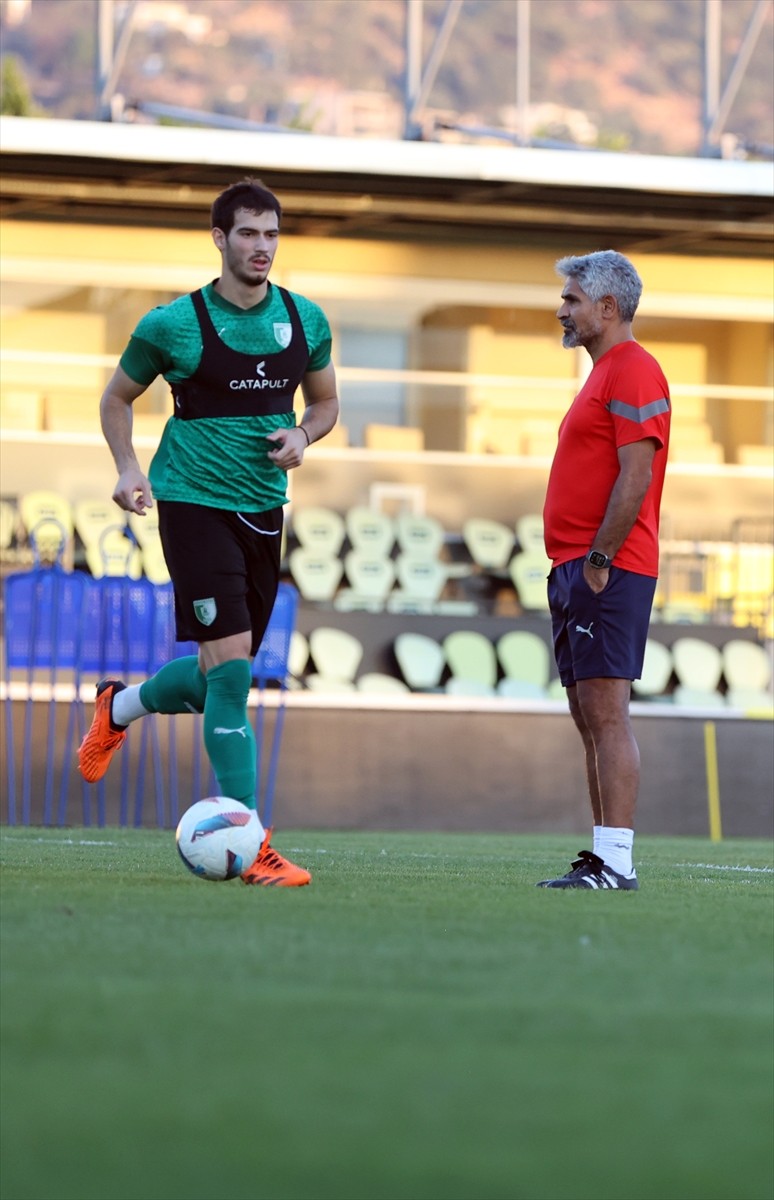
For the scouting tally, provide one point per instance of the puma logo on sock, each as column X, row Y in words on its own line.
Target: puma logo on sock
column 222, row 729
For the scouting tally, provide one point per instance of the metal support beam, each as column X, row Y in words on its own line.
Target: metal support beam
column 423, row 83
column 111, row 53
column 717, row 105
column 523, row 20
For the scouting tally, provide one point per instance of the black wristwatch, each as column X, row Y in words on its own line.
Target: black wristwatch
column 595, row 558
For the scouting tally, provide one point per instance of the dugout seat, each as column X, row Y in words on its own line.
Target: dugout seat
column 524, row 656
column 92, row 516
column 336, row 655
column 370, row 576
column 318, row 529
column 698, row 664
column 316, row 575
column 420, row 659
column 489, row 543
column 370, row 531
column 746, row 665
column 657, row 670
column 529, row 574
column 471, row 656
column 418, row 534
column 113, row 553
column 529, row 532
column 47, row 519
column 421, row 580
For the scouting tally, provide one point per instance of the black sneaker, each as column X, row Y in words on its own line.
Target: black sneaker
column 590, row 871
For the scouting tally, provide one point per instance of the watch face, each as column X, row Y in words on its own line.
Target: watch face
column 597, row 559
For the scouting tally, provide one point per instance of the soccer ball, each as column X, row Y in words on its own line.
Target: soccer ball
column 218, row 838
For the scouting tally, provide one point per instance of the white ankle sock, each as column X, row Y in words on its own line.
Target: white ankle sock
column 614, row 847
column 127, row 706
column 597, row 836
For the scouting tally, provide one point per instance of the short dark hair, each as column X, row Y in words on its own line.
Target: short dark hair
column 249, row 194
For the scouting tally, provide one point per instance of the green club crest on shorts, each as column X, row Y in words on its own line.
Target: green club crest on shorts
column 206, row 610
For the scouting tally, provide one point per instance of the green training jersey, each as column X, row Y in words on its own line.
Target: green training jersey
column 221, row 462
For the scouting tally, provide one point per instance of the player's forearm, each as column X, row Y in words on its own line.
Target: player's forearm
column 116, row 420
column 623, row 507
column 320, row 417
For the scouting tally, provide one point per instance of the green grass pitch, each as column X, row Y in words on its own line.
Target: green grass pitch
column 421, row 1023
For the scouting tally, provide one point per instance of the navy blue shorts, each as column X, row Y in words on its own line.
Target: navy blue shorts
column 224, row 566
column 599, row 636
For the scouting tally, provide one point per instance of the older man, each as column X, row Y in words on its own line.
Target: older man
column 601, row 531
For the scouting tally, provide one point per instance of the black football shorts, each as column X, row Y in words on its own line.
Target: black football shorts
column 224, row 568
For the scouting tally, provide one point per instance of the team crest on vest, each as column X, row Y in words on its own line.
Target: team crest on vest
column 283, row 332
column 206, row 610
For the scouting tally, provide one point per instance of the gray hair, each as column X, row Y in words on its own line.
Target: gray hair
column 605, row 273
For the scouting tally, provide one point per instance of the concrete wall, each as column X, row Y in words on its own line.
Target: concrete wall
column 425, row 763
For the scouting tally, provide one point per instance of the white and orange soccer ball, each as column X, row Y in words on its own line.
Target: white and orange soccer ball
column 218, row 838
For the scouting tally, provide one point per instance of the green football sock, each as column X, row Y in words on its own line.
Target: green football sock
column 178, row 687
column 228, row 734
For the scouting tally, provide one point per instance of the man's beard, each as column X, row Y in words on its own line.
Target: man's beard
column 250, row 277
column 572, row 337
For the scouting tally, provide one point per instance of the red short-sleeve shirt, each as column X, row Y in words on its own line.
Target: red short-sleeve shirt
column 624, row 399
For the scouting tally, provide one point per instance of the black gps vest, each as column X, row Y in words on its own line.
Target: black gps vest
column 228, row 383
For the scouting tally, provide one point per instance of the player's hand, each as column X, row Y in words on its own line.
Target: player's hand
column 133, row 492
column 287, row 446
column 596, row 579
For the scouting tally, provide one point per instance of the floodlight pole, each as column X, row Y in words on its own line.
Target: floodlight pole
column 418, row 85
column 717, row 106
column 523, row 18
column 111, row 54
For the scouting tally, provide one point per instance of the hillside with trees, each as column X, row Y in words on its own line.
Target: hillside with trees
column 625, row 74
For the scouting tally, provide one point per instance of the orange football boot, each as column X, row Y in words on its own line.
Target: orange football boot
column 103, row 738
column 270, row 869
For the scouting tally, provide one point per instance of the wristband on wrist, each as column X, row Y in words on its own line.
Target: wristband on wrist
column 306, row 435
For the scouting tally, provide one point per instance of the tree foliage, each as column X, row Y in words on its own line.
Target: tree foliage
column 15, row 96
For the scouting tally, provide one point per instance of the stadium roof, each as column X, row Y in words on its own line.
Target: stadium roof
column 398, row 190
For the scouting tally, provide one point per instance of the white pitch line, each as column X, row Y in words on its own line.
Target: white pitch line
column 718, row 867
column 63, row 841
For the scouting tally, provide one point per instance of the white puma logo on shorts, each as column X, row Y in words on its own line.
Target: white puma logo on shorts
column 580, row 629
column 222, row 729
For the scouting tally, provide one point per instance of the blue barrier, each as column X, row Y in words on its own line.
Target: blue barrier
column 68, row 628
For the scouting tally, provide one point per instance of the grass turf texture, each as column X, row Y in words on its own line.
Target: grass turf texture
column 422, row 1023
